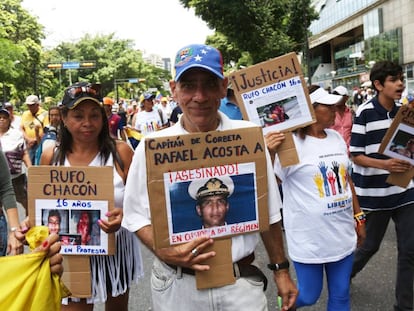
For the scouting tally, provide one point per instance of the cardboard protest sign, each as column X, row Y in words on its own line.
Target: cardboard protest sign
column 273, row 95
column 189, row 163
column 398, row 142
column 182, row 170
column 221, row 267
column 77, row 276
column 70, row 200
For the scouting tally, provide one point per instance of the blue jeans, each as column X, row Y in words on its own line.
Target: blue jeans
column 376, row 226
column 32, row 153
column 3, row 235
column 310, row 283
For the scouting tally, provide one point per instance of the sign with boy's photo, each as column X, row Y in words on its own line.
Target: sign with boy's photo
column 70, row 201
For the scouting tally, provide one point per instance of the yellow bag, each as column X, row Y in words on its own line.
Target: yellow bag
column 27, row 283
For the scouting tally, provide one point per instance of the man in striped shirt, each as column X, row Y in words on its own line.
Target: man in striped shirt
column 379, row 200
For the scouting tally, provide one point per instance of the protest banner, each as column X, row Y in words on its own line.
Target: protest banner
column 70, row 200
column 273, row 95
column 398, row 142
column 183, row 169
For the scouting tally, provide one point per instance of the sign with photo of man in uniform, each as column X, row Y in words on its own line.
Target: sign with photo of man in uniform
column 198, row 187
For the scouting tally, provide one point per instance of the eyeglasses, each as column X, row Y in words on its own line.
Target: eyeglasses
column 89, row 89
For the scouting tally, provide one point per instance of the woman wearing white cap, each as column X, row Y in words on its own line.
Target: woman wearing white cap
column 320, row 206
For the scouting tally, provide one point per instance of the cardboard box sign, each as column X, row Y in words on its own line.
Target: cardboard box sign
column 183, row 170
column 189, row 174
column 78, row 196
column 398, row 142
column 77, row 276
column 273, row 94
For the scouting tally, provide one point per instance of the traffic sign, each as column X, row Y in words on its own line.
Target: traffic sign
column 130, row 80
column 70, row 65
column 73, row 65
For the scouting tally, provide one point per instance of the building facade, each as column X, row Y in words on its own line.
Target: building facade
column 351, row 35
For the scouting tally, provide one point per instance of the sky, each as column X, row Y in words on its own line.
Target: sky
column 156, row 26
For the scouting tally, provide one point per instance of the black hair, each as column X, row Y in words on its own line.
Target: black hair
column 54, row 107
column 107, row 145
column 54, row 213
column 230, row 92
column 383, row 69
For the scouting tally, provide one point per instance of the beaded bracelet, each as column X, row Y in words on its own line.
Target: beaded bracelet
column 360, row 218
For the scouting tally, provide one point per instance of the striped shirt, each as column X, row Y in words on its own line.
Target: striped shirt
column 370, row 125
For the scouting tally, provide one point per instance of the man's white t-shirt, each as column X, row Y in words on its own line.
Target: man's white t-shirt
column 148, row 122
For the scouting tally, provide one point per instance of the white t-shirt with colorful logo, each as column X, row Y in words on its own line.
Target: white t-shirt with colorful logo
column 148, row 122
column 317, row 200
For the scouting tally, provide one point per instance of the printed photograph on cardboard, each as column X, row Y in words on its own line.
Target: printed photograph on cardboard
column 76, row 222
column 218, row 205
column 85, row 224
column 57, row 220
column 401, row 144
column 277, row 112
column 70, row 239
column 280, row 106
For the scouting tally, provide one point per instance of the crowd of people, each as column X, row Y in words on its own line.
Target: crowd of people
column 333, row 219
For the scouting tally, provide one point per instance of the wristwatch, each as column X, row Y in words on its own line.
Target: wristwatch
column 13, row 229
column 278, row 266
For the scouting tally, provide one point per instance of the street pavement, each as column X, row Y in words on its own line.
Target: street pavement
column 371, row 290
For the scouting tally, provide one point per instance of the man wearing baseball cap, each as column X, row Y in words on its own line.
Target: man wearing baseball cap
column 32, row 123
column 165, row 107
column 343, row 115
column 16, row 120
column 148, row 119
column 198, row 85
column 116, row 127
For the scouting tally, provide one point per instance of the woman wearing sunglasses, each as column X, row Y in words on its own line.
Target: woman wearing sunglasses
column 86, row 141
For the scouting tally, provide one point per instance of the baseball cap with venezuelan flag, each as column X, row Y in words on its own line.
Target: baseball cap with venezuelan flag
column 198, row 56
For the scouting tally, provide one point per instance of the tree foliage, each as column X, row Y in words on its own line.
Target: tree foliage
column 385, row 46
column 263, row 28
column 20, row 36
column 247, row 32
column 23, row 62
column 117, row 62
